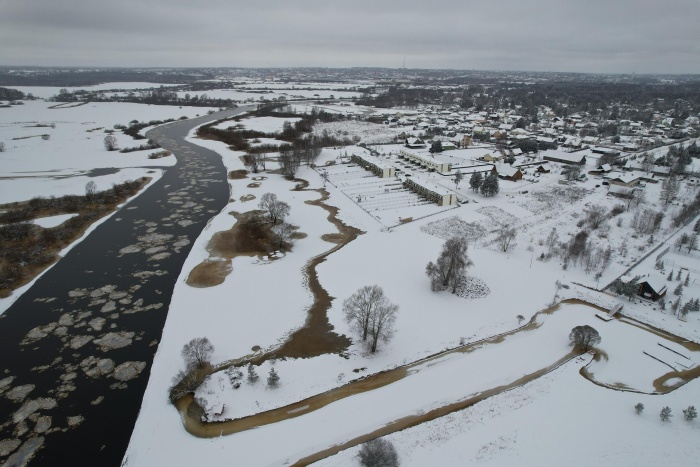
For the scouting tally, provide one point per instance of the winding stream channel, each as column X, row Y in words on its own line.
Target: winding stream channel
column 408, row 395
column 78, row 345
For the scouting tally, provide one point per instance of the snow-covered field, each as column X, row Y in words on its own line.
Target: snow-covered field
column 260, row 302
column 557, row 419
column 73, row 152
column 44, row 92
column 263, row 124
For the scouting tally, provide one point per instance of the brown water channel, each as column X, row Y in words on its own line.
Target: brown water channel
column 379, row 380
column 316, row 337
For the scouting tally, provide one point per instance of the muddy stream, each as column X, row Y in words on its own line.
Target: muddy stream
column 379, row 380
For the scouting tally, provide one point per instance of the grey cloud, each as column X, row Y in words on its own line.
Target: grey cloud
column 596, row 35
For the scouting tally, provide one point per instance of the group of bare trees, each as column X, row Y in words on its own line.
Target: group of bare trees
column 291, row 156
column 505, row 237
column 275, row 213
column 275, row 210
column 646, row 221
column 255, row 161
column 371, row 315
column 669, row 189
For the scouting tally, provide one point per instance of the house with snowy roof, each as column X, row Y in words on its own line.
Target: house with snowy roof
column 507, row 172
column 652, row 288
column 564, row 157
column 415, row 143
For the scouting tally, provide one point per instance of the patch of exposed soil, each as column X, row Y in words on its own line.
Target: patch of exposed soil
column 332, row 238
column 209, row 273
column 237, row 174
column 253, row 185
column 245, row 238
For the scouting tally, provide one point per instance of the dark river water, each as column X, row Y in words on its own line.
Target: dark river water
column 76, row 349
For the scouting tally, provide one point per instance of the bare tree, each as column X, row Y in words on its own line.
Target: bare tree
column 371, row 315
column 197, row 352
column 2, row 146
column 585, row 336
column 252, row 161
column 669, row 189
column 381, row 325
column 290, row 160
column 276, row 210
column 378, row 453
column 90, row 189
column 184, row 382
column 551, row 241
column 283, row 234
column 110, row 143
column 573, row 171
column 450, row 267
column 595, row 215
column 360, row 306
column 506, row 237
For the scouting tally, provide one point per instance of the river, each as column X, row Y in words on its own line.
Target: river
column 77, row 347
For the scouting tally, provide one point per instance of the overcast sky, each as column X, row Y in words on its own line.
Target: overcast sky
column 617, row 36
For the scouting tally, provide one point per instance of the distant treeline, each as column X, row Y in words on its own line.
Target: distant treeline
column 65, row 77
column 297, row 134
column 159, row 96
column 7, row 94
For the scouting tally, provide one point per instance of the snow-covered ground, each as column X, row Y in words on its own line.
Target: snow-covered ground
column 263, row 124
column 44, row 92
column 73, row 153
column 557, row 416
column 260, row 302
